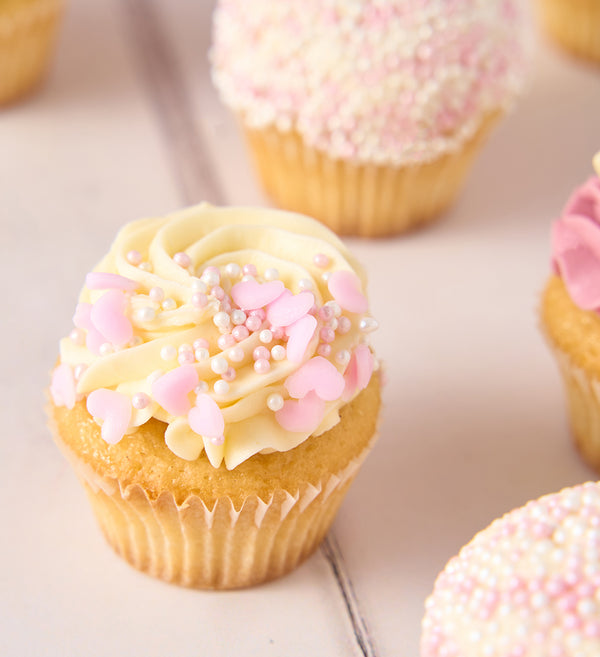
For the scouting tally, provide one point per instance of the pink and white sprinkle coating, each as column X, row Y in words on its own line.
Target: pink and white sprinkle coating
column 527, row 586
column 389, row 82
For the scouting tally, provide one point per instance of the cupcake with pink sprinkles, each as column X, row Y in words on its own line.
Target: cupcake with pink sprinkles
column 527, row 586
column 367, row 113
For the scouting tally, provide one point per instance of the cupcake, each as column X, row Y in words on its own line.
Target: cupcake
column 527, row 586
column 27, row 34
column 216, row 395
column 570, row 312
column 367, row 115
column 574, row 24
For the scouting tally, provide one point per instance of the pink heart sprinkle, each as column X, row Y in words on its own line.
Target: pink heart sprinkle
column 345, row 288
column 108, row 317
column 62, row 387
column 359, row 371
column 289, row 308
column 205, row 417
column 250, row 295
column 171, row 390
column 303, row 415
column 317, row 374
column 114, row 409
column 82, row 317
column 99, row 280
column 299, row 334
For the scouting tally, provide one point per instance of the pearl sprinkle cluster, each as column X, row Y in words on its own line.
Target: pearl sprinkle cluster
column 388, row 82
column 527, row 586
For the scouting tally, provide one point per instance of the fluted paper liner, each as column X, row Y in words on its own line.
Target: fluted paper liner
column 574, row 24
column 368, row 199
column 583, row 403
column 27, row 35
column 220, row 546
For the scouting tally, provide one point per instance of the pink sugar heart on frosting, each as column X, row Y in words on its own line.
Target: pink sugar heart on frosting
column 99, row 280
column 62, row 386
column 83, row 320
column 289, row 308
column 108, row 317
column 206, row 418
column 345, row 288
column 302, row 415
column 250, row 295
column 171, row 390
column 318, row 375
column 359, row 371
column 114, row 409
column 299, row 334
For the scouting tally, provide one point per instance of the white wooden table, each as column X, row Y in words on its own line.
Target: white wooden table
column 129, row 125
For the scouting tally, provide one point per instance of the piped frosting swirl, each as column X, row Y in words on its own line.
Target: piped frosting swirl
column 244, row 330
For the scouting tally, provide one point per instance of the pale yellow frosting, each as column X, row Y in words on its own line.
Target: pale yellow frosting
column 217, row 237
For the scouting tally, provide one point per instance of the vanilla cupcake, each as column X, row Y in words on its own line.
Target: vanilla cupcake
column 570, row 312
column 27, row 35
column 216, row 395
column 527, row 586
column 574, row 24
column 367, row 115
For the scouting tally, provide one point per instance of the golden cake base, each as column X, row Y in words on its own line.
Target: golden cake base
column 366, row 200
column 27, row 36
column 574, row 24
column 574, row 337
column 193, row 525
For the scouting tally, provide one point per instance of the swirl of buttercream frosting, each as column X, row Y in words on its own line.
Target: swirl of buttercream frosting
column 244, row 330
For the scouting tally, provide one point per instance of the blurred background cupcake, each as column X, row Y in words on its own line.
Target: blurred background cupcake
column 365, row 114
column 570, row 311
column 27, row 35
column 574, row 24
column 527, row 586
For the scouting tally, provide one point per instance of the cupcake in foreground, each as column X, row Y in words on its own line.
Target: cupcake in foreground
column 216, row 395
column 574, row 24
column 570, row 312
column 367, row 115
column 527, row 586
column 27, row 34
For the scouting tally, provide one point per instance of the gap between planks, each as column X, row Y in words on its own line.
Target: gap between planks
column 169, row 97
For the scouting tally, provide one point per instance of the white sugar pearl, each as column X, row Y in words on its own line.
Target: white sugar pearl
column 221, row 387
column 275, row 402
column 146, row 314
column 343, row 357
column 146, row 266
column 199, row 286
column 168, row 352
column 278, row 352
column 219, row 365
column 201, row 353
column 221, row 320
column 238, row 317
column 271, row 274
column 201, row 388
column 368, row 324
column 106, row 348
column 305, row 284
column 335, row 308
column 236, row 354
column 233, row 270
column 211, row 278
column 157, row 294
column 265, row 336
column 169, row 304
